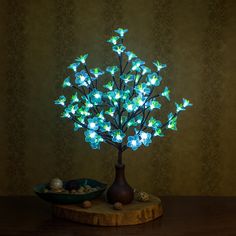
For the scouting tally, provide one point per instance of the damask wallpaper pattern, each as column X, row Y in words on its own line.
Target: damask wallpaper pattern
column 196, row 38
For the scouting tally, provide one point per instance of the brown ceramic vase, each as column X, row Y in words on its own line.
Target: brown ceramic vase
column 120, row 191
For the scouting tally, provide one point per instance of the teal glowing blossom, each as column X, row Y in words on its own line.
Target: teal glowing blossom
column 73, row 66
column 113, row 40
column 96, row 72
column 72, row 109
column 186, row 103
column 61, row 100
column 130, row 106
column 142, row 89
column 117, row 136
column 130, row 55
column 127, row 78
column 106, row 126
column 93, row 139
column 146, row 138
column 96, row 97
column 145, row 70
column 154, row 124
column 74, row 98
column 136, row 64
column 109, row 85
column 154, row 79
column 82, row 78
column 77, row 126
column 119, row 49
column 172, row 121
column 154, row 105
column 121, row 110
column 121, row 32
column 82, row 58
column 110, row 111
column 134, row 142
column 159, row 66
column 93, row 123
column 158, row 132
column 66, row 83
column 112, row 69
column 139, row 100
column 166, row 93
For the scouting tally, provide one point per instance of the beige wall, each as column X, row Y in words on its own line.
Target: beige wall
column 196, row 38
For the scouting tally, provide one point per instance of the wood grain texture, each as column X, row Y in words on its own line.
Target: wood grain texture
column 102, row 213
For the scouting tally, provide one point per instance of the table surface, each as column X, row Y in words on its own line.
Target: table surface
column 187, row 216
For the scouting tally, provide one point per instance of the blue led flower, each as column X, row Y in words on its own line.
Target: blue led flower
column 110, row 111
column 109, row 85
column 96, row 97
column 136, row 64
column 179, row 107
column 139, row 100
column 93, row 123
column 132, row 122
column 159, row 66
column 117, row 136
column 154, row 79
column 119, row 49
column 158, row 132
column 121, row 32
column 153, row 104
column 66, row 83
column 82, row 58
column 186, row 103
column 134, row 142
column 172, row 122
column 93, row 139
column 97, row 72
column 73, row 66
column 146, row 138
column 154, row 124
column 145, row 70
column 113, row 40
column 166, row 93
column 72, row 108
column 77, row 126
column 82, row 78
column 61, row 100
column 65, row 114
column 74, row 98
column 112, row 69
column 130, row 106
column 142, row 89
column 83, row 111
column 127, row 78
column 130, row 55
column 105, row 126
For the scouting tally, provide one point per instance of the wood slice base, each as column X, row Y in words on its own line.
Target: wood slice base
column 102, row 213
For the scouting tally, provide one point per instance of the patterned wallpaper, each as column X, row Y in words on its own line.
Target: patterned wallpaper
column 196, row 38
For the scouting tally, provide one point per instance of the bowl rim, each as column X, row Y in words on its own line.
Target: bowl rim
column 102, row 185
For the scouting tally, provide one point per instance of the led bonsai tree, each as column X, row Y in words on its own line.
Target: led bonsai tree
column 119, row 112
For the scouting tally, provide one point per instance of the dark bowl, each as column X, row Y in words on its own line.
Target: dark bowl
column 68, row 198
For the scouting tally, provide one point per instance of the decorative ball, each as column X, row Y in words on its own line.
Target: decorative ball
column 142, row 196
column 87, row 204
column 56, row 184
column 118, row 206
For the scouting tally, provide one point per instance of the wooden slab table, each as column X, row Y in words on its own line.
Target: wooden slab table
column 103, row 214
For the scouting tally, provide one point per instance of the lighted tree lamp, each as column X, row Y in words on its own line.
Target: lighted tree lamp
column 120, row 112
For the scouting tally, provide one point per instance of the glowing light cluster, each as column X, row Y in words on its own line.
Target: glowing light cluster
column 118, row 111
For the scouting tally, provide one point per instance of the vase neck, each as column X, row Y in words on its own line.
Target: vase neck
column 120, row 173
